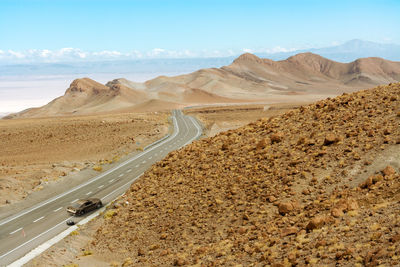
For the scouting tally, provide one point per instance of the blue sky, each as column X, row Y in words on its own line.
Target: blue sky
column 156, row 26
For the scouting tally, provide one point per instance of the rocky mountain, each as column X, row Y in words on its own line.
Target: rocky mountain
column 87, row 96
column 304, row 77
column 318, row 185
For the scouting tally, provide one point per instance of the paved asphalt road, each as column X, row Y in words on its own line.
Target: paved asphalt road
column 27, row 229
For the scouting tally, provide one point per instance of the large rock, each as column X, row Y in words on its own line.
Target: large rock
column 330, row 139
column 287, row 207
column 388, row 171
column 316, row 222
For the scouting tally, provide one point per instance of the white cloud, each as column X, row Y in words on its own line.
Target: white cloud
column 16, row 54
column 108, row 53
column 156, row 52
column 70, row 54
column 45, row 53
column 278, row 49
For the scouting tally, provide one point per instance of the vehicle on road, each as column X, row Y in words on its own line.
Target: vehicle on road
column 83, row 206
column 70, row 222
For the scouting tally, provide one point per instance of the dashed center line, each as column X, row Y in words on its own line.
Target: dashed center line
column 112, row 180
column 101, row 186
column 75, row 200
column 57, row 209
column 150, row 157
column 13, row 232
column 137, row 166
column 121, row 175
column 38, row 219
column 88, row 193
column 143, row 161
column 129, row 170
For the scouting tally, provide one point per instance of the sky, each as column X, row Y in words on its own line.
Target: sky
column 188, row 28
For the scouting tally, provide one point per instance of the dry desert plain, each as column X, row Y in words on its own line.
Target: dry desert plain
column 40, row 151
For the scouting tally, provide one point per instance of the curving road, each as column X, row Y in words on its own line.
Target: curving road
column 28, row 229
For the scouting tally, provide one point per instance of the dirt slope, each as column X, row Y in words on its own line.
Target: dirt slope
column 308, row 187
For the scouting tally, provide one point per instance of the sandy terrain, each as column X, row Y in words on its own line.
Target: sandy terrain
column 317, row 185
column 35, row 152
column 216, row 119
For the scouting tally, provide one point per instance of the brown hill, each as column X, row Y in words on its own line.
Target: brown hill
column 307, row 71
column 85, row 96
column 310, row 187
column 303, row 77
column 252, row 78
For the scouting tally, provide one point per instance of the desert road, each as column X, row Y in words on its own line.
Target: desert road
column 26, row 230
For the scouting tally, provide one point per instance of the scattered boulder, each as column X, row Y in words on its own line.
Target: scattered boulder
column 330, row 139
column 289, row 231
column 287, row 207
column 373, row 256
column 388, row 171
column 276, row 137
column 180, row 261
column 316, row 222
column 261, row 144
column 367, row 183
column 395, row 238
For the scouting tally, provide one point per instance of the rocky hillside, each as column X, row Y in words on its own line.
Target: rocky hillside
column 319, row 185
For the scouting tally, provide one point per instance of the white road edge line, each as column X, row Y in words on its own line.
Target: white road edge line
column 38, row 219
column 97, row 177
column 57, row 209
column 18, row 262
column 13, row 232
column 46, row 245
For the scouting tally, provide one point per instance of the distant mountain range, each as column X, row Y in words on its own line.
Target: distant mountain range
column 346, row 52
column 302, row 77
